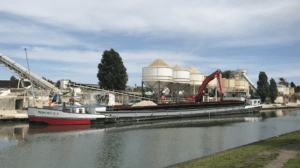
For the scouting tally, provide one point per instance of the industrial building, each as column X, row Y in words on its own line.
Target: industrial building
column 167, row 84
column 159, row 75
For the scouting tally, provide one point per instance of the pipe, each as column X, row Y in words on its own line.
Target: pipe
column 248, row 80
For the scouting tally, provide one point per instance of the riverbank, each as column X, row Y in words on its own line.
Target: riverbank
column 11, row 115
column 281, row 106
column 280, row 151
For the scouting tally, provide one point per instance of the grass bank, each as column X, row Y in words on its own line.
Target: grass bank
column 255, row 155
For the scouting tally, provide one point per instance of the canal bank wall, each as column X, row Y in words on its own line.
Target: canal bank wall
column 13, row 115
column 281, row 106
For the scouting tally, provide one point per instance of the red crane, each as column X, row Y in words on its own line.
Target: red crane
column 199, row 96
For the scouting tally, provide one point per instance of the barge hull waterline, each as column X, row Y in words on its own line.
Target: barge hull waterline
column 55, row 121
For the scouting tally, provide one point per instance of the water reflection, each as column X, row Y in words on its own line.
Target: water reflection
column 277, row 113
column 142, row 144
column 13, row 131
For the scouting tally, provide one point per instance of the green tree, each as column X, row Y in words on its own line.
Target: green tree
column 293, row 84
column 57, row 84
column 273, row 90
column 48, row 80
column 226, row 74
column 283, row 81
column 12, row 79
column 112, row 72
column 262, row 86
column 297, row 89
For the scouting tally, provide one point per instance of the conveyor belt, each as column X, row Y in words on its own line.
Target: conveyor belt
column 24, row 73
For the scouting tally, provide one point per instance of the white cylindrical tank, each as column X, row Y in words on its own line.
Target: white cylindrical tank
column 180, row 76
column 196, row 79
column 231, row 83
column 64, row 83
column 213, row 83
column 225, row 83
column 239, row 85
column 157, row 72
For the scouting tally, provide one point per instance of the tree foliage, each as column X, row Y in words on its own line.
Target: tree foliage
column 57, row 84
column 273, row 90
column 283, row 82
column 226, row 74
column 293, row 84
column 12, row 78
column 112, row 72
column 297, row 89
column 48, row 80
column 262, row 86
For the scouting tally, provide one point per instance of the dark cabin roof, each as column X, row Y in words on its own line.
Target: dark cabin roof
column 10, row 84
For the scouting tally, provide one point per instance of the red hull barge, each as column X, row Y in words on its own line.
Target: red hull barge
column 54, row 121
column 71, row 115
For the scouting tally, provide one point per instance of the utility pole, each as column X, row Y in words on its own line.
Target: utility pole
column 30, row 79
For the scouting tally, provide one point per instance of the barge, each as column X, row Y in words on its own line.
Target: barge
column 88, row 114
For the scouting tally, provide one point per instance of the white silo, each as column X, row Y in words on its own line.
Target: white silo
column 213, row 84
column 181, row 79
column 157, row 75
column 196, row 79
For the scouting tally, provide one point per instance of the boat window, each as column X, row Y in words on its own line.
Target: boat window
column 254, row 102
column 80, row 110
column 258, row 102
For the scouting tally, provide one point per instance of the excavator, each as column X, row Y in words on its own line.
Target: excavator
column 199, row 96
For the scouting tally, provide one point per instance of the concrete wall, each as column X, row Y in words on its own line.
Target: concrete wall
column 7, row 103
column 279, row 99
column 38, row 102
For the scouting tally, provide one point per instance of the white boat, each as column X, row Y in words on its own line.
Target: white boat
column 69, row 115
column 253, row 103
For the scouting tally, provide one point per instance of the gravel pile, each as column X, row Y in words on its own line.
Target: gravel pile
column 177, row 68
column 193, row 70
column 158, row 63
column 144, row 103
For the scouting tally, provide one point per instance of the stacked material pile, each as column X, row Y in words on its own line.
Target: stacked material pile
column 158, row 63
column 177, row 68
column 193, row 70
column 144, row 103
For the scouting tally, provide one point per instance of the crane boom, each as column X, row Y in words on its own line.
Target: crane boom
column 211, row 77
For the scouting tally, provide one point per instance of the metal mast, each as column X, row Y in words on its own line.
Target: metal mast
column 30, row 78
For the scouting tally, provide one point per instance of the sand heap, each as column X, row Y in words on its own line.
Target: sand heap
column 158, row 63
column 193, row 70
column 177, row 68
column 144, row 103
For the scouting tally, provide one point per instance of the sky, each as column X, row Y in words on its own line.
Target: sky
column 66, row 39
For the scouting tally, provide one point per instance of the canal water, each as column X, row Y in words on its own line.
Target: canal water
column 142, row 144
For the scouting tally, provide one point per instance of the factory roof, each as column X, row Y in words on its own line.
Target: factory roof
column 177, row 68
column 158, row 63
column 12, row 84
column 193, row 70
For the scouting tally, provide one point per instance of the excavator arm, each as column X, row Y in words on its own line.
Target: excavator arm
column 218, row 73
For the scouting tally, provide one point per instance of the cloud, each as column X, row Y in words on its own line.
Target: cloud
column 231, row 21
column 21, row 33
column 134, row 61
